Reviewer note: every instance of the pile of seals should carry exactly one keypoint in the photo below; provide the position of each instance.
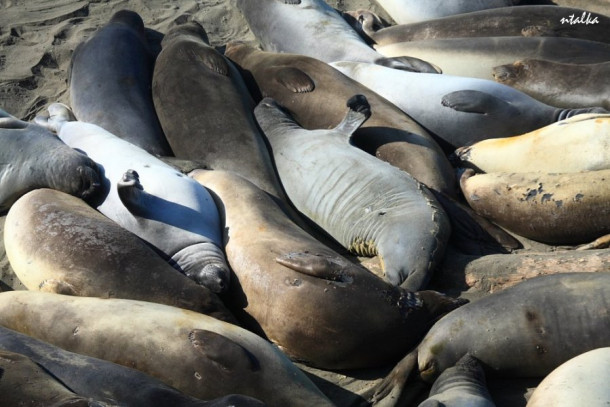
(197, 221)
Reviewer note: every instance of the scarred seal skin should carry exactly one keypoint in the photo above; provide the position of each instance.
(579, 143)
(199, 355)
(524, 331)
(105, 381)
(317, 306)
(566, 209)
(365, 204)
(110, 78)
(58, 243)
(32, 157)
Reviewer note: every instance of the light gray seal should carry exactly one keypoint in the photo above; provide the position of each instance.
(367, 205)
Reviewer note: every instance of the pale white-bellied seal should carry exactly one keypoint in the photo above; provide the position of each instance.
(149, 198)
(579, 143)
(304, 296)
(107, 381)
(476, 57)
(24, 383)
(524, 331)
(206, 109)
(581, 381)
(367, 205)
(110, 78)
(315, 94)
(459, 110)
(567, 208)
(313, 28)
(559, 84)
(57, 243)
(528, 21)
(461, 385)
(197, 354)
(32, 157)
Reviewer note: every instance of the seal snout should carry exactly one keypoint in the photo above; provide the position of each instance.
(506, 73)
(213, 276)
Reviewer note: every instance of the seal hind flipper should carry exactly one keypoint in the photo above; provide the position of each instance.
(231, 356)
(295, 80)
(474, 101)
(359, 111)
(130, 192)
(410, 64)
(316, 265)
(59, 113)
(394, 383)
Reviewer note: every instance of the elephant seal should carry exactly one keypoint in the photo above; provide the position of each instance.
(559, 84)
(365, 204)
(523, 331)
(149, 198)
(57, 243)
(23, 382)
(459, 111)
(314, 29)
(461, 385)
(206, 109)
(579, 143)
(528, 21)
(582, 380)
(476, 57)
(316, 292)
(32, 157)
(110, 77)
(567, 209)
(106, 381)
(315, 94)
(197, 354)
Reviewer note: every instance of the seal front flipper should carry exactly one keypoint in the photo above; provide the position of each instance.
(131, 193)
(228, 354)
(317, 265)
(359, 111)
(295, 80)
(474, 101)
(410, 64)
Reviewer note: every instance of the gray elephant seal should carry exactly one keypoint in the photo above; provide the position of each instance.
(545, 321)
(116, 62)
(32, 157)
(89, 255)
(559, 84)
(368, 206)
(197, 354)
(106, 381)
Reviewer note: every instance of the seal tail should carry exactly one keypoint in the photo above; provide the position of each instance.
(359, 111)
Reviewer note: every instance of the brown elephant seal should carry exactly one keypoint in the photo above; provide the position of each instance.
(197, 354)
(206, 109)
(535, 20)
(57, 243)
(568, 208)
(315, 94)
(32, 157)
(582, 380)
(579, 143)
(559, 84)
(106, 381)
(316, 292)
(24, 383)
(117, 63)
(524, 331)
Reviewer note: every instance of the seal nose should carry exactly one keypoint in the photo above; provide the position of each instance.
(215, 277)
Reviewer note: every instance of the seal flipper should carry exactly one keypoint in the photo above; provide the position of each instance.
(295, 80)
(409, 64)
(228, 354)
(317, 265)
(393, 385)
(474, 101)
(359, 111)
(296, 2)
(132, 193)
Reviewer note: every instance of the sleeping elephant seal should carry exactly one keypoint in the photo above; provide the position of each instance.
(110, 77)
(559, 84)
(579, 143)
(365, 204)
(315, 305)
(106, 381)
(24, 383)
(197, 354)
(458, 110)
(564, 209)
(582, 380)
(315, 94)
(206, 109)
(144, 195)
(524, 331)
(32, 157)
(57, 243)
